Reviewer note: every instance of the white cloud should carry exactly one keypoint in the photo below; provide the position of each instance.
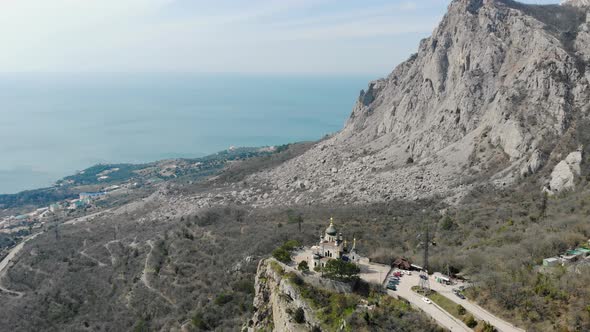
(137, 35)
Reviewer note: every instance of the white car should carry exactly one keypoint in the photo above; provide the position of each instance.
(427, 300)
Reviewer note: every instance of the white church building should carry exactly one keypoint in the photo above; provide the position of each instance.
(332, 246)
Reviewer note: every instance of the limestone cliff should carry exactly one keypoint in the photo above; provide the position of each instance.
(496, 93)
(276, 301)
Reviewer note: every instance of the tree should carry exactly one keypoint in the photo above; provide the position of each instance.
(199, 322)
(461, 310)
(448, 224)
(295, 219)
(291, 245)
(339, 269)
(543, 207)
(223, 299)
(470, 321)
(303, 266)
(282, 255)
(487, 327)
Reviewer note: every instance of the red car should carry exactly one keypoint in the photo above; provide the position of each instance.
(397, 274)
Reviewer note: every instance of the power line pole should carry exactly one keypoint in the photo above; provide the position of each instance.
(426, 245)
(424, 279)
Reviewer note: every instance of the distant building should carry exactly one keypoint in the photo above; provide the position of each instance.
(441, 278)
(571, 256)
(402, 263)
(584, 251)
(75, 204)
(54, 207)
(111, 188)
(552, 261)
(84, 196)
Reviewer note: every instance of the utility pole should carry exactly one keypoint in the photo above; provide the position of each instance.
(426, 245)
(424, 279)
(56, 228)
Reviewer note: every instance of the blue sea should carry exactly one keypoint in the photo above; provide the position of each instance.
(53, 125)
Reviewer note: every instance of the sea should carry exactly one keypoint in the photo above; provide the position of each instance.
(53, 125)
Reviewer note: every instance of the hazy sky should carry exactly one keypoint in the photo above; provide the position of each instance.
(248, 36)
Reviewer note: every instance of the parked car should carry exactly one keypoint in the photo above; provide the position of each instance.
(391, 287)
(427, 300)
(459, 295)
(397, 274)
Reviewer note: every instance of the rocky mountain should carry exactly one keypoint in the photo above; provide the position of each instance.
(577, 3)
(498, 92)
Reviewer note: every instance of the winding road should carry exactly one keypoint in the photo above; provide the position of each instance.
(477, 311)
(6, 261)
(443, 318)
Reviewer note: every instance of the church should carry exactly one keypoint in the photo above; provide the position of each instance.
(331, 246)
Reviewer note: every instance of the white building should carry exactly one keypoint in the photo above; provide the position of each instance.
(331, 246)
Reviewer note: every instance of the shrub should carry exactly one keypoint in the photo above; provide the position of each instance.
(487, 327)
(244, 286)
(282, 255)
(299, 316)
(291, 244)
(303, 266)
(277, 268)
(339, 269)
(223, 299)
(461, 310)
(470, 321)
(294, 278)
(448, 224)
(199, 322)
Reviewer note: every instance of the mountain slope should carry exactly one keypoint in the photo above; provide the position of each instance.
(495, 93)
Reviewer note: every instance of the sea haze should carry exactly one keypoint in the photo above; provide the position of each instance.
(54, 125)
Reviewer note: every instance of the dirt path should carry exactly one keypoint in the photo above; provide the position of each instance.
(145, 279)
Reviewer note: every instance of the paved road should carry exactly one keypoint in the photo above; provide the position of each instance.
(6, 261)
(14, 251)
(443, 318)
(477, 311)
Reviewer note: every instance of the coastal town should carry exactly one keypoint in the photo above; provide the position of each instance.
(16, 228)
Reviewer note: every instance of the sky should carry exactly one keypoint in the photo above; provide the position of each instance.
(204, 36)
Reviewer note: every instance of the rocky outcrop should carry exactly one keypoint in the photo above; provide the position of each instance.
(276, 300)
(577, 3)
(565, 173)
(534, 163)
(485, 99)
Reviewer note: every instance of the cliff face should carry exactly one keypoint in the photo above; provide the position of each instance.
(577, 3)
(276, 300)
(497, 90)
